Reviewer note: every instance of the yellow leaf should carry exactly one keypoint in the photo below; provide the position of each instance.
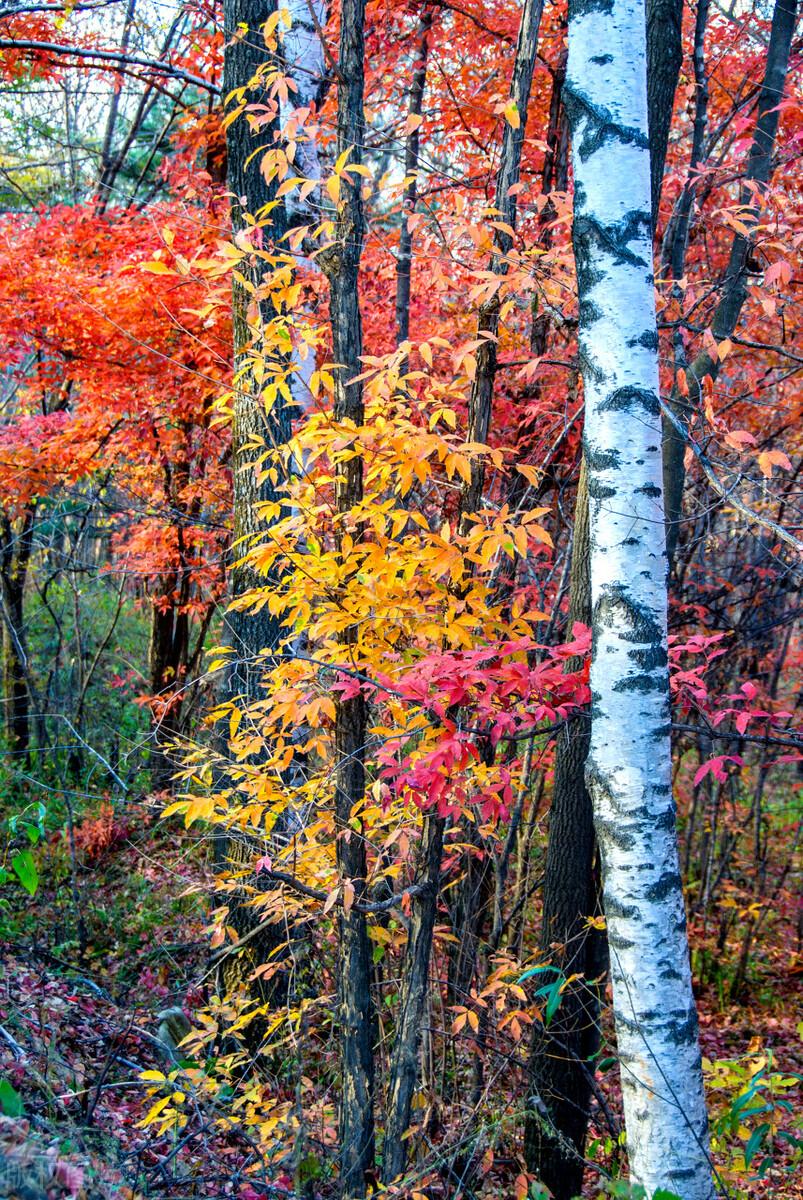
(199, 809)
(540, 534)
(154, 1111)
(333, 188)
(512, 114)
(531, 474)
(157, 268)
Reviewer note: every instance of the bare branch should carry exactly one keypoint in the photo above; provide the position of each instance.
(111, 56)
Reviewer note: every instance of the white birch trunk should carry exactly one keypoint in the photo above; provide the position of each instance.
(629, 765)
(302, 50)
(304, 63)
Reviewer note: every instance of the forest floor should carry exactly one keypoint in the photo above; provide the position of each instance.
(77, 1029)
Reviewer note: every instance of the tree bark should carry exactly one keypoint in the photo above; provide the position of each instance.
(629, 764)
(664, 58)
(734, 284)
(341, 264)
(678, 229)
(560, 1073)
(482, 388)
(414, 990)
(476, 886)
(404, 260)
(303, 61)
(404, 1065)
(15, 554)
(251, 635)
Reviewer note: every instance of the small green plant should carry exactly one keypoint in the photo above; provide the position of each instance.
(10, 1100)
(21, 864)
(755, 1129)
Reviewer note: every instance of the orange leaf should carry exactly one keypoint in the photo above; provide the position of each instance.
(773, 458)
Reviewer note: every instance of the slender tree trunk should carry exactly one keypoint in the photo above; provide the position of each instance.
(482, 388)
(404, 261)
(674, 256)
(734, 285)
(476, 886)
(15, 554)
(560, 1075)
(404, 1064)
(106, 157)
(357, 1015)
(664, 58)
(167, 657)
(629, 764)
(414, 991)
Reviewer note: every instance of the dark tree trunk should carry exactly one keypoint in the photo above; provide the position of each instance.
(357, 1015)
(674, 254)
(664, 58)
(476, 887)
(734, 285)
(405, 258)
(482, 388)
(414, 991)
(251, 635)
(559, 1086)
(15, 555)
(469, 916)
(167, 660)
(554, 177)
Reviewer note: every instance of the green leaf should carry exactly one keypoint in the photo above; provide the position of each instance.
(24, 868)
(528, 974)
(10, 1100)
(553, 1003)
(32, 834)
(753, 1144)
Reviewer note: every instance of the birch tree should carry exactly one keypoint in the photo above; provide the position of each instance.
(629, 764)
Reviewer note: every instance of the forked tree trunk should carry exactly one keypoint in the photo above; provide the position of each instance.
(629, 765)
